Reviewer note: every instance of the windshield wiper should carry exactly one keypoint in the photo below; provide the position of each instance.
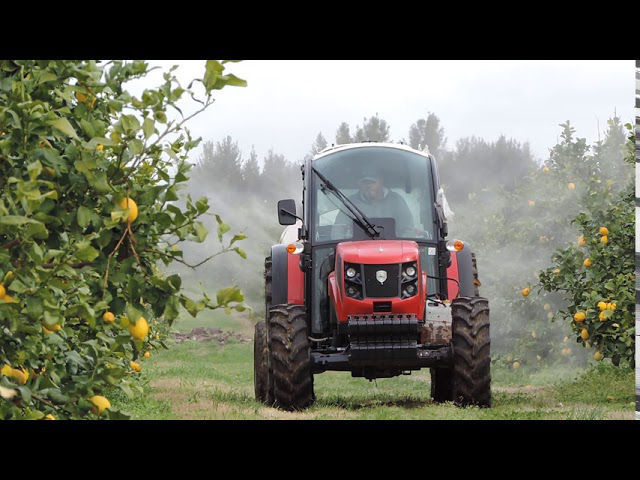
(358, 216)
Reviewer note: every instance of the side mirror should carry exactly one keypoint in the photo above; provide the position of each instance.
(287, 212)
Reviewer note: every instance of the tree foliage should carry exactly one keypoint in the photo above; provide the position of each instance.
(74, 146)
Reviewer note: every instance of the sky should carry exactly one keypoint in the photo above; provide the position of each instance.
(287, 103)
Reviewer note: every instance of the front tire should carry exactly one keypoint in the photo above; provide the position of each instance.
(471, 376)
(290, 356)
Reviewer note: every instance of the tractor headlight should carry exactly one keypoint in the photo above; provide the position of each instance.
(351, 272)
(410, 271)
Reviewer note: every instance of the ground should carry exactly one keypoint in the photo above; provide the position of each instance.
(209, 375)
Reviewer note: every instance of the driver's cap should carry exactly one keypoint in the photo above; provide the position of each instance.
(370, 174)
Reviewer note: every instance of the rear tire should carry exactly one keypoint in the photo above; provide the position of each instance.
(290, 357)
(471, 375)
(262, 379)
(267, 287)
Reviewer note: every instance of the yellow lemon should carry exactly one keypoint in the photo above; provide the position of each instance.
(146, 355)
(597, 356)
(81, 97)
(604, 239)
(516, 365)
(556, 271)
(55, 328)
(602, 305)
(611, 306)
(525, 292)
(6, 370)
(101, 404)
(100, 147)
(49, 417)
(108, 317)
(46, 330)
(135, 366)
(584, 334)
(3, 291)
(581, 241)
(602, 317)
(128, 203)
(587, 262)
(604, 231)
(9, 299)
(140, 329)
(579, 317)
(571, 186)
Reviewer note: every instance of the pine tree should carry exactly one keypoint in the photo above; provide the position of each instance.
(428, 133)
(373, 130)
(343, 136)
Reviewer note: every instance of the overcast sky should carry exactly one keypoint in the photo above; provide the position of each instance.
(286, 103)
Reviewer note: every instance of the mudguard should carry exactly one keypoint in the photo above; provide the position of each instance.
(460, 274)
(287, 280)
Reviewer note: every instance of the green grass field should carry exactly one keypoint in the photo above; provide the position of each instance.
(205, 380)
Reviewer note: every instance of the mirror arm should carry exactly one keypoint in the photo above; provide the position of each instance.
(282, 210)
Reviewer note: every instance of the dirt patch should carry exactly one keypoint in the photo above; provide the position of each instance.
(204, 334)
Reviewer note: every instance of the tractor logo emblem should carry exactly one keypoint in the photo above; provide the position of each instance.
(381, 276)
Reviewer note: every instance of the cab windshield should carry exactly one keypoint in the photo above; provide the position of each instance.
(390, 186)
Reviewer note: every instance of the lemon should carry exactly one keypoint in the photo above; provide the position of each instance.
(556, 271)
(81, 97)
(135, 366)
(140, 329)
(146, 355)
(597, 356)
(128, 203)
(516, 365)
(6, 370)
(584, 334)
(602, 317)
(579, 317)
(108, 317)
(581, 241)
(55, 327)
(9, 299)
(611, 306)
(604, 239)
(587, 262)
(46, 330)
(100, 147)
(49, 417)
(604, 231)
(3, 291)
(20, 375)
(602, 305)
(101, 404)
(571, 186)
(525, 292)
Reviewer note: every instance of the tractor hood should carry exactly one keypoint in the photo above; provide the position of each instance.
(378, 251)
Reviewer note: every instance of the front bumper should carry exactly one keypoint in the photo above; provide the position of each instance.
(386, 342)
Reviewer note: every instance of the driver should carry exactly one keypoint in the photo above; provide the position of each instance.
(377, 201)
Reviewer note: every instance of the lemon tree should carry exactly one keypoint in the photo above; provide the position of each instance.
(596, 276)
(515, 231)
(89, 215)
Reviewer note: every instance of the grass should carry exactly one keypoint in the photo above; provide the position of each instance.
(203, 380)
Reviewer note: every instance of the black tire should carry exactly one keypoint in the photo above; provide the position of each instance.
(441, 388)
(262, 379)
(471, 376)
(290, 356)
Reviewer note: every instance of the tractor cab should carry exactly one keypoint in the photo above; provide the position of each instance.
(370, 281)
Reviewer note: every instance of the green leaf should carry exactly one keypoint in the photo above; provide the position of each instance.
(87, 253)
(222, 229)
(65, 127)
(226, 295)
(136, 147)
(200, 231)
(213, 69)
(148, 127)
(84, 216)
(240, 252)
(236, 237)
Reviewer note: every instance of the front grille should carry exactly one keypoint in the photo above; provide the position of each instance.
(389, 287)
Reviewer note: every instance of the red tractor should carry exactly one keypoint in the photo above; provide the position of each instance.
(366, 282)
